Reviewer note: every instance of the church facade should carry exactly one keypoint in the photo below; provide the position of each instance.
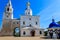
(9, 23)
(28, 24)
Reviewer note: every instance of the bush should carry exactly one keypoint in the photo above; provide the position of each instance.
(45, 33)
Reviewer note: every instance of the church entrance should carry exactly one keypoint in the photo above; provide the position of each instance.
(33, 33)
(16, 32)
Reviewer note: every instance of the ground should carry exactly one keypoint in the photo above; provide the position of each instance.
(24, 38)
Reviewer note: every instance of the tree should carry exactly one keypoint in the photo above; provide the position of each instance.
(58, 22)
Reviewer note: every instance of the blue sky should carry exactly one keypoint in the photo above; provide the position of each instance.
(45, 8)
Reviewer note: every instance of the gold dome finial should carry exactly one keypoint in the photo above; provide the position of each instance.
(28, 3)
(53, 19)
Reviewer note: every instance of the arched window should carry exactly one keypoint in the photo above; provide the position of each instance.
(7, 16)
(28, 12)
(24, 33)
(7, 9)
(36, 23)
(29, 18)
(30, 25)
(9, 4)
(13, 22)
(23, 22)
(17, 23)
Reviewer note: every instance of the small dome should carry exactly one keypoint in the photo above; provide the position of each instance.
(53, 24)
(28, 12)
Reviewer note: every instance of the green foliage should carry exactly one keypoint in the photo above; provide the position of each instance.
(45, 33)
(58, 22)
(17, 34)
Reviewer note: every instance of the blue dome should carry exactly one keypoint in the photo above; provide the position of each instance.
(53, 24)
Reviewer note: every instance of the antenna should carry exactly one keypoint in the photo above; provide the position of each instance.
(52, 19)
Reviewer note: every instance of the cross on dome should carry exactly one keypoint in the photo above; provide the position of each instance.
(28, 3)
(53, 19)
(9, 3)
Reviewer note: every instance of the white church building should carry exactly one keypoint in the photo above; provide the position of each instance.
(28, 24)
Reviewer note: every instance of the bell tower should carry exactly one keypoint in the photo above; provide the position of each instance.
(7, 20)
(8, 14)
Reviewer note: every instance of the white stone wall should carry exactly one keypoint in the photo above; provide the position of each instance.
(42, 30)
(28, 32)
(37, 32)
(33, 21)
(15, 21)
(27, 21)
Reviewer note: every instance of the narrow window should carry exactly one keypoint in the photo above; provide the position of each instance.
(30, 25)
(7, 16)
(13, 22)
(7, 9)
(9, 4)
(23, 23)
(36, 23)
(24, 33)
(28, 12)
(17, 22)
(29, 18)
(40, 32)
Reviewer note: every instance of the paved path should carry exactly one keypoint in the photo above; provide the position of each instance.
(24, 38)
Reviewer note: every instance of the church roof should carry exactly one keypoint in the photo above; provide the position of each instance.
(31, 28)
(53, 24)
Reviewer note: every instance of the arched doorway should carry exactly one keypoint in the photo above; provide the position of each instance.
(32, 33)
(16, 31)
(40, 32)
(24, 33)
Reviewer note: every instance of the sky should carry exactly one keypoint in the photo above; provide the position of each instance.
(45, 8)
